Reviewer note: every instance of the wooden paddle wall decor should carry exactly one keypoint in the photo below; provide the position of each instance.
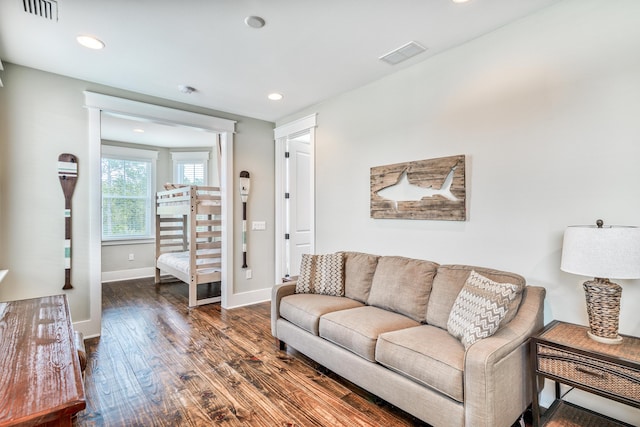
(68, 175)
(424, 189)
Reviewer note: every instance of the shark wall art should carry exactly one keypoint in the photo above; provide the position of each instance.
(424, 189)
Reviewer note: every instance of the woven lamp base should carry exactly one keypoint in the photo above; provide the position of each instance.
(603, 306)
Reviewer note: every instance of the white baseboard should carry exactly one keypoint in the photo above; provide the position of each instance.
(235, 300)
(248, 298)
(88, 328)
(133, 273)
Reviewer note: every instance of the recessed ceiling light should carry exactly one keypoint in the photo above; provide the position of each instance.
(275, 96)
(90, 42)
(459, 1)
(254, 21)
(138, 130)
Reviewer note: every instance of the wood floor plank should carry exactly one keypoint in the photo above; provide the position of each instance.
(161, 363)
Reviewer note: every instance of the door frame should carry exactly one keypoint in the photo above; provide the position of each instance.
(281, 135)
(95, 104)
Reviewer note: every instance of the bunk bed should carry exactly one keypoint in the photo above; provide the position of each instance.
(189, 237)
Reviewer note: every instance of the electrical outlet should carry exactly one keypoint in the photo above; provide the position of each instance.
(131, 257)
(247, 274)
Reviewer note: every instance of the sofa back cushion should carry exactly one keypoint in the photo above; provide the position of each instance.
(358, 275)
(450, 280)
(403, 285)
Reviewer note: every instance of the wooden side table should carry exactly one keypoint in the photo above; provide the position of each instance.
(565, 354)
(40, 379)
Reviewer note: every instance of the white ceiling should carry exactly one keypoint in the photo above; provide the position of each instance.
(309, 50)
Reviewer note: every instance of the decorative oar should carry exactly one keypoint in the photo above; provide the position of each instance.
(245, 183)
(68, 174)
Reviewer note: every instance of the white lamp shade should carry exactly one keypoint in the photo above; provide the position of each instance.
(610, 252)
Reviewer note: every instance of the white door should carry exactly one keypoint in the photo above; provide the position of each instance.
(295, 198)
(298, 203)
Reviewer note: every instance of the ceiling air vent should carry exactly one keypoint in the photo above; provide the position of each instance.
(402, 53)
(43, 8)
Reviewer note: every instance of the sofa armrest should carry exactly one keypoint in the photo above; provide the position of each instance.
(497, 383)
(277, 293)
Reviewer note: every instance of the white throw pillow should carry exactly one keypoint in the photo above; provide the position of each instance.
(479, 308)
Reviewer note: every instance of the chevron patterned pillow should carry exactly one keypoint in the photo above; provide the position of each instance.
(479, 308)
(306, 281)
(321, 274)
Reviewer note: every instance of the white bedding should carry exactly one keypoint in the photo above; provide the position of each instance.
(203, 202)
(180, 260)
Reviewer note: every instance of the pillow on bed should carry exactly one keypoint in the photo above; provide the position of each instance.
(170, 186)
(321, 274)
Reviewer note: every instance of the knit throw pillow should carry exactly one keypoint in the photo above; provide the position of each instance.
(321, 274)
(479, 308)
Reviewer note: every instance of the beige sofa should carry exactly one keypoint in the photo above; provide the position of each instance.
(389, 334)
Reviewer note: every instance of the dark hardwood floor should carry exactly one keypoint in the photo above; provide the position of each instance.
(159, 363)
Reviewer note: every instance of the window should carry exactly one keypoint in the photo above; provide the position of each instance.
(128, 177)
(190, 168)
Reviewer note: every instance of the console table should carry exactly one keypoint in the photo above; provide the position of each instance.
(40, 378)
(564, 353)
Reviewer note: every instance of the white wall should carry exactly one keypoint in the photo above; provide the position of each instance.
(39, 120)
(547, 111)
(259, 161)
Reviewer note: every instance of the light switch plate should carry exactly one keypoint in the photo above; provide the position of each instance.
(259, 225)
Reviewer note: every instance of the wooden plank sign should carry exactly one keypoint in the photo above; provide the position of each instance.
(424, 189)
(68, 175)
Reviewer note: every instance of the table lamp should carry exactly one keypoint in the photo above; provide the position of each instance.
(602, 252)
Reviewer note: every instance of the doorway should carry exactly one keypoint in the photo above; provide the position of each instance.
(96, 104)
(295, 195)
(150, 155)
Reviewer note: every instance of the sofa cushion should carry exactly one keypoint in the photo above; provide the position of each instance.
(357, 329)
(479, 308)
(448, 283)
(403, 285)
(427, 355)
(304, 310)
(321, 274)
(358, 274)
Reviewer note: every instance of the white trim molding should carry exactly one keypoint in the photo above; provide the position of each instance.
(304, 123)
(130, 274)
(157, 113)
(142, 155)
(249, 298)
(281, 135)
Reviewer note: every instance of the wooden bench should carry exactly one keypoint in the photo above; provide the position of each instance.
(40, 369)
